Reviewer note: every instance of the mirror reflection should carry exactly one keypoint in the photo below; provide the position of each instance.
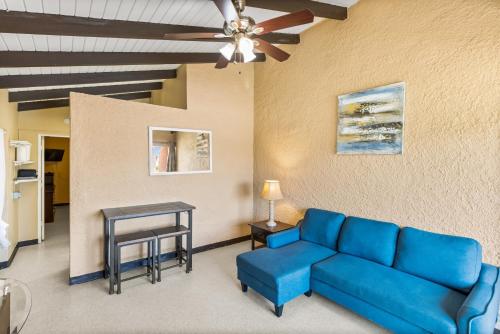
(179, 151)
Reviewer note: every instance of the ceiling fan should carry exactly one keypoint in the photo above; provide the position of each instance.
(245, 33)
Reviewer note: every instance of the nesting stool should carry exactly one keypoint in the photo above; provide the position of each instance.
(134, 239)
(170, 232)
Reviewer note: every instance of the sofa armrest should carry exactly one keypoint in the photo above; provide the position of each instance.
(478, 314)
(283, 238)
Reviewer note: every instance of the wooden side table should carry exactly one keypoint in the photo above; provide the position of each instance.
(259, 231)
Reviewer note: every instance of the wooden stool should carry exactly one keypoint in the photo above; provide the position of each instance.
(171, 232)
(134, 239)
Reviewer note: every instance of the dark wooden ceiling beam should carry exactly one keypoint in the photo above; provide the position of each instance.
(26, 106)
(50, 24)
(45, 94)
(43, 80)
(43, 59)
(318, 8)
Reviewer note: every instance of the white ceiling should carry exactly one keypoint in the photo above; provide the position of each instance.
(185, 12)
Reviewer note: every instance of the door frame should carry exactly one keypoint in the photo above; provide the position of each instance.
(41, 182)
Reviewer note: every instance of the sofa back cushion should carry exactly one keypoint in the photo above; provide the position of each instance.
(369, 239)
(322, 227)
(448, 260)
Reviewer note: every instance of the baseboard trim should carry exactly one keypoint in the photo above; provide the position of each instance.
(163, 258)
(27, 243)
(220, 244)
(6, 264)
(125, 267)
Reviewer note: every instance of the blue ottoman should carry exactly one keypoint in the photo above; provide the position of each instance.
(282, 271)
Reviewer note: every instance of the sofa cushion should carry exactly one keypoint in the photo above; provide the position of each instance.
(285, 265)
(370, 239)
(428, 305)
(452, 261)
(322, 227)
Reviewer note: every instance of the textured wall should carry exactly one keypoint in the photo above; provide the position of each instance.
(109, 162)
(31, 124)
(174, 92)
(447, 180)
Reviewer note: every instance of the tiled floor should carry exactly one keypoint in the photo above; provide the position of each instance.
(208, 300)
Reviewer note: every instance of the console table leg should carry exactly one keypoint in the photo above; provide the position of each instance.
(158, 259)
(118, 271)
(106, 249)
(111, 257)
(189, 266)
(178, 240)
(153, 251)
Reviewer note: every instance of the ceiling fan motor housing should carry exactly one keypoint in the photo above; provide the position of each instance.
(245, 26)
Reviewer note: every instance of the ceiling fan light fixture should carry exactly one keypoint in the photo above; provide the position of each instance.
(245, 45)
(258, 30)
(248, 56)
(228, 50)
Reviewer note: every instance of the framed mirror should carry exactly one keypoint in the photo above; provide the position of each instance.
(179, 151)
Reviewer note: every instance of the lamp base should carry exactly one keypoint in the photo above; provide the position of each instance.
(271, 223)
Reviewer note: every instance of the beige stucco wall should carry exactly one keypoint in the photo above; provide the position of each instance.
(31, 125)
(174, 91)
(448, 178)
(109, 162)
(8, 122)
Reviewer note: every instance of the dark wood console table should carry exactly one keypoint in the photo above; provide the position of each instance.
(112, 215)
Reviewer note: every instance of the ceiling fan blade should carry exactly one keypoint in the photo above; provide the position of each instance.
(222, 62)
(228, 10)
(271, 50)
(286, 21)
(192, 36)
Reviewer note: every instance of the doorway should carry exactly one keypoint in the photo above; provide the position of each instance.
(53, 204)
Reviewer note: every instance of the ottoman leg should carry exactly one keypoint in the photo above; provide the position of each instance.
(309, 293)
(278, 310)
(244, 287)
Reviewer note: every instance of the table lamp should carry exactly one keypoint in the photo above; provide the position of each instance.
(272, 192)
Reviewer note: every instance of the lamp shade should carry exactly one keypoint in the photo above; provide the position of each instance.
(271, 190)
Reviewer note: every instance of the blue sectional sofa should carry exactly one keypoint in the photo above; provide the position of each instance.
(404, 279)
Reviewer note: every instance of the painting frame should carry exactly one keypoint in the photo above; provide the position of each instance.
(371, 121)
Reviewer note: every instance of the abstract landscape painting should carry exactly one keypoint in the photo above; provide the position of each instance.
(371, 121)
